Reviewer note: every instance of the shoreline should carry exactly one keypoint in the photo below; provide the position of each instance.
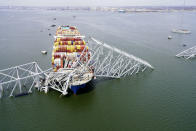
(129, 9)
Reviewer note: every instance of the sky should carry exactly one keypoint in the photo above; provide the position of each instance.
(97, 2)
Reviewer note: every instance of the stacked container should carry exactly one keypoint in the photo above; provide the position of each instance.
(68, 48)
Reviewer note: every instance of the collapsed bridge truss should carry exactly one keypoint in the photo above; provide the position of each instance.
(106, 61)
(109, 61)
(188, 54)
(20, 79)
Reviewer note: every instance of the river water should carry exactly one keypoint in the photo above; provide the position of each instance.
(162, 99)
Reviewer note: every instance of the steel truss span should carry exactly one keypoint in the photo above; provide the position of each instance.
(20, 79)
(105, 61)
(188, 54)
(109, 61)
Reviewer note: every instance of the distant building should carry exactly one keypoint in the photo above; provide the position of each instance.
(121, 11)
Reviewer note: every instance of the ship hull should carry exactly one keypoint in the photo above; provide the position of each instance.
(75, 88)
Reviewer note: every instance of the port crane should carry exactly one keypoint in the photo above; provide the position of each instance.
(106, 60)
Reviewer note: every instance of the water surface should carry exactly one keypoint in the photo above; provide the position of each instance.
(164, 99)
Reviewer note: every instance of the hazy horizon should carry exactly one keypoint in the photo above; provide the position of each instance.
(97, 3)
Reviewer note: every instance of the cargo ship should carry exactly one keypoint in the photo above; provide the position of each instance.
(69, 56)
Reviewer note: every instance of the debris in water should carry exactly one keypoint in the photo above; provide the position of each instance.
(52, 25)
(22, 94)
(181, 31)
(54, 18)
(49, 34)
(184, 45)
(44, 52)
(169, 37)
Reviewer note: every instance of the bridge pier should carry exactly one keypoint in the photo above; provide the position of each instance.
(1, 91)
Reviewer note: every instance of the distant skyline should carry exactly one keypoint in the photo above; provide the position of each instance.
(97, 2)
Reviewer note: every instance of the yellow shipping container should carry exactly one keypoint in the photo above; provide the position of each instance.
(69, 42)
(68, 47)
(78, 47)
(55, 69)
(84, 42)
(57, 47)
(58, 39)
(72, 48)
(52, 59)
(56, 43)
(54, 50)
